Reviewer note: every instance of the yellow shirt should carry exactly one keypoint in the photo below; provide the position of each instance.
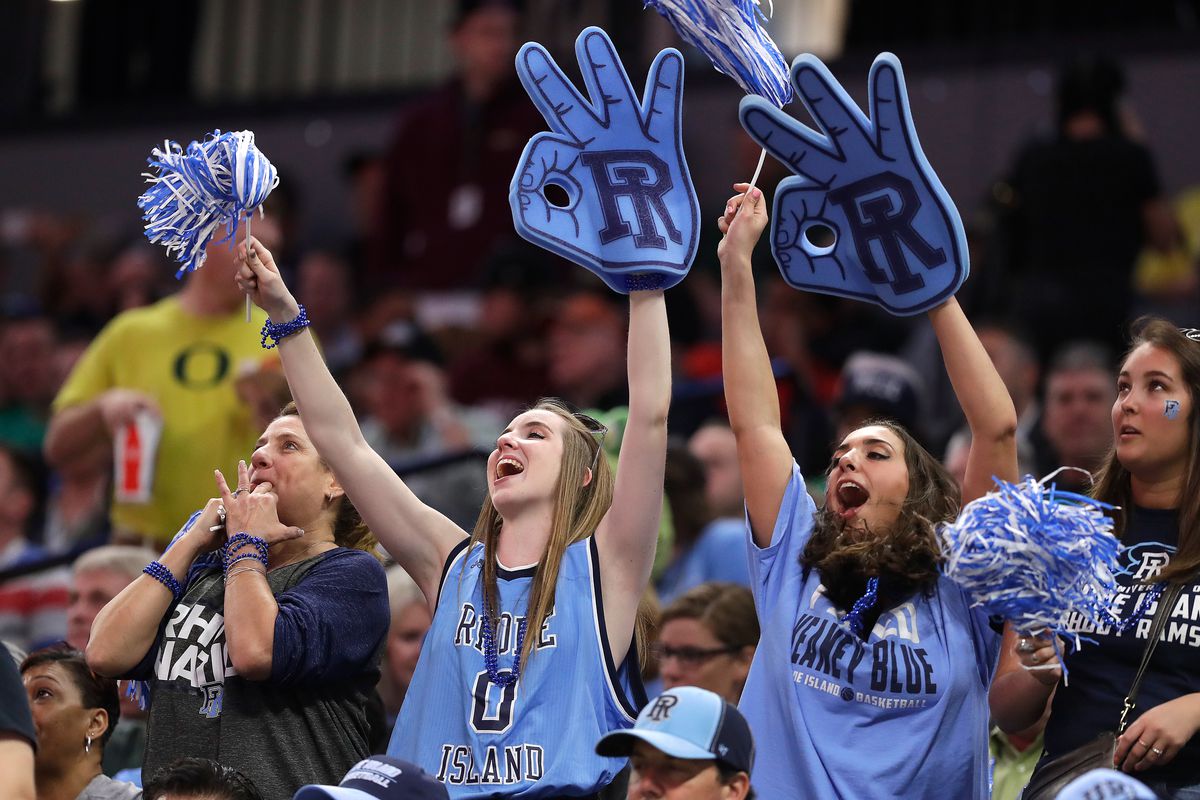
(188, 365)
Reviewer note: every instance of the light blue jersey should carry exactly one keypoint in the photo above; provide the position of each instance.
(835, 718)
(535, 738)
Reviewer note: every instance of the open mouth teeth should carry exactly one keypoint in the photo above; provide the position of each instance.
(851, 495)
(508, 466)
(1129, 429)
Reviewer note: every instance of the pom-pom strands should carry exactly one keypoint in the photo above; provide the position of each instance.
(1033, 555)
(195, 190)
(727, 31)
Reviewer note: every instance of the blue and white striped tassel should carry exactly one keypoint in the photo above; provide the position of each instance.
(194, 191)
(728, 32)
(1034, 555)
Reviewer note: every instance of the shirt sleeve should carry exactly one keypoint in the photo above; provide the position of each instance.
(771, 566)
(93, 373)
(14, 705)
(330, 624)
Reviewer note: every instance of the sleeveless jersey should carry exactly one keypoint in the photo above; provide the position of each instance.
(536, 737)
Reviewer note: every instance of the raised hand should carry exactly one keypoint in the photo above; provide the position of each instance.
(252, 510)
(631, 215)
(865, 216)
(258, 276)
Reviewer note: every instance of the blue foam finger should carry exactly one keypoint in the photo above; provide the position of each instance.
(631, 214)
(897, 238)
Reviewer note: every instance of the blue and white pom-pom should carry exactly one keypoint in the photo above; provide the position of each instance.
(1034, 555)
(211, 183)
(728, 32)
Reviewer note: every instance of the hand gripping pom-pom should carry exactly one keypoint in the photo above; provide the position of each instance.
(198, 189)
(1034, 555)
(728, 32)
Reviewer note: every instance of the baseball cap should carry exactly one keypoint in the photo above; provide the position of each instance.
(379, 778)
(690, 723)
(885, 385)
(1105, 784)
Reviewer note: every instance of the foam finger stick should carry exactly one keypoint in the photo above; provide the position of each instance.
(864, 216)
(196, 190)
(728, 32)
(1036, 556)
(631, 215)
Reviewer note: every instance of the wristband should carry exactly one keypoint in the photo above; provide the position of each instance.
(164, 576)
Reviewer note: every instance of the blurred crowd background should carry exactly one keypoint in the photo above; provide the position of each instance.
(1065, 132)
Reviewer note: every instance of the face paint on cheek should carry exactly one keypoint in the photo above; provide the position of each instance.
(1171, 409)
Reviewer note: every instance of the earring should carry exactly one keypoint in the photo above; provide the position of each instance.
(87, 744)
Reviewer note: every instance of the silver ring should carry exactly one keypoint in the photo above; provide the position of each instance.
(1025, 646)
(238, 491)
(1143, 744)
(1156, 751)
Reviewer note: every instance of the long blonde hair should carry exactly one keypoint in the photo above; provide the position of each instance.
(578, 510)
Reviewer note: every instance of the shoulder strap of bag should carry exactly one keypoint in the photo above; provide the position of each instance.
(1165, 605)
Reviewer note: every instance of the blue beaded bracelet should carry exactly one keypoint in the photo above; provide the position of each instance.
(245, 557)
(278, 332)
(164, 576)
(239, 540)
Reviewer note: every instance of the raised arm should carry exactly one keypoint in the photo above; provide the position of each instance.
(417, 536)
(628, 533)
(984, 399)
(750, 392)
(125, 629)
(1018, 696)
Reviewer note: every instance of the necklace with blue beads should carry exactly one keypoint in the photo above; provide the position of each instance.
(853, 620)
(491, 655)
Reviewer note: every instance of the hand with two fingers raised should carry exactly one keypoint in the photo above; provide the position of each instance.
(253, 510)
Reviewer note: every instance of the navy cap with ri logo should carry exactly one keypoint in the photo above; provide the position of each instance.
(379, 778)
(690, 723)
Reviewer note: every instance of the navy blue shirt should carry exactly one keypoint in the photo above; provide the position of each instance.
(1102, 670)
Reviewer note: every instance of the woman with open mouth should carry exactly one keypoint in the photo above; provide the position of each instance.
(871, 675)
(532, 654)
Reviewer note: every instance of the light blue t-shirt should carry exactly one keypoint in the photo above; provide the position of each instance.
(535, 738)
(719, 554)
(901, 715)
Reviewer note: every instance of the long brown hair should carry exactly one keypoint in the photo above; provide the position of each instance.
(349, 530)
(578, 511)
(906, 557)
(1113, 483)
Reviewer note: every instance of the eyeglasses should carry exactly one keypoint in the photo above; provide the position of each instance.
(597, 429)
(690, 657)
(1191, 333)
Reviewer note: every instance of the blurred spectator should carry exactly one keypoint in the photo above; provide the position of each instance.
(1168, 283)
(27, 380)
(379, 778)
(587, 352)
(74, 712)
(1014, 358)
(199, 779)
(1078, 208)
(75, 290)
(445, 203)
(714, 445)
(364, 173)
(17, 738)
(410, 621)
(138, 276)
(506, 367)
(877, 385)
(409, 418)
(99, 575)
(707, 638)
(33, 608)
(264, 390)
(176, 360)
(1077, 420)
(703, 548)
(323, 286)
(1014, 755)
